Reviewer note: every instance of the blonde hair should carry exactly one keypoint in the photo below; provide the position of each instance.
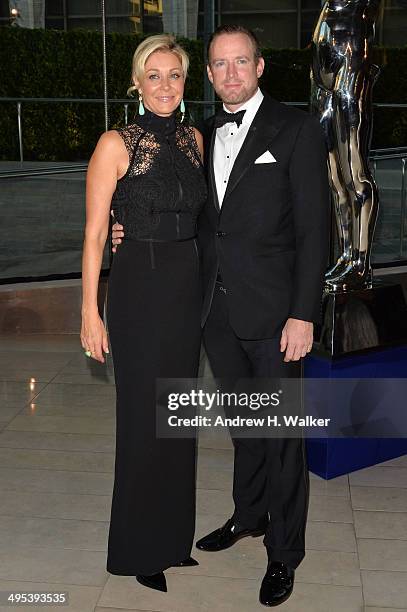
(158, 42)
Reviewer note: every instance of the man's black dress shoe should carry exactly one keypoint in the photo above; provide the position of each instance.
(155, 581)
(277, 584)
(190, 562)
(228, 535)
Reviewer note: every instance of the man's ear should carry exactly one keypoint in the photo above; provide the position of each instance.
(260, 67)
(209, 71)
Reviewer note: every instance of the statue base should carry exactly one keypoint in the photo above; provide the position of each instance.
(363, 335)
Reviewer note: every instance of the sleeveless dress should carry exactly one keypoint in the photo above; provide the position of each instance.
(153, 314)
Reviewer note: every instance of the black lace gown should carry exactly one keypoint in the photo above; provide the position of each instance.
(153, 313)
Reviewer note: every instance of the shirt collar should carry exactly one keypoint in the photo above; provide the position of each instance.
(251, 107)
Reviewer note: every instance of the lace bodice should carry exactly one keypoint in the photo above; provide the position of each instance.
(164, 188)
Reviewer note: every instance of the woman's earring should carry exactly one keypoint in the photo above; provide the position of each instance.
(182, 109)
(141, 110)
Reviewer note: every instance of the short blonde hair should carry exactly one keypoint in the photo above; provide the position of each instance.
(158, 42)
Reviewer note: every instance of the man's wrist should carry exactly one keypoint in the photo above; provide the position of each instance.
(297, 318)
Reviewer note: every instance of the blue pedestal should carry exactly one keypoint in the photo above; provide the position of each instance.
(331, 457)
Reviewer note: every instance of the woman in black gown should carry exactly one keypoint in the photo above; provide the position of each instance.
(151, 172)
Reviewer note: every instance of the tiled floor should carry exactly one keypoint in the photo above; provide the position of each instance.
(56, 461)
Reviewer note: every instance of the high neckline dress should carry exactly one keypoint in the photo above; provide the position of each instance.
(153, 313)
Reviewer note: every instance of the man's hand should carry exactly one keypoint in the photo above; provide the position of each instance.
(296, 339)
(117, 234)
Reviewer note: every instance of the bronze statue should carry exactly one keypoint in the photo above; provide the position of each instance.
(343, 76)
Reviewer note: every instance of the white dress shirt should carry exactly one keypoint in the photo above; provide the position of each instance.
(228, 142)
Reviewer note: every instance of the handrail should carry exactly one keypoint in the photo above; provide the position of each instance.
(390, 156)
(390, 104)
(43, 171)
(82, 167)
(388, 149)
(87, 100)
(135, 100)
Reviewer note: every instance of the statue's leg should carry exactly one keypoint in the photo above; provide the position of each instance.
(353, 136)
(337, 138)
(323, 106)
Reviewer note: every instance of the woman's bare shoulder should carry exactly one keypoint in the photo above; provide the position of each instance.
(111, 139)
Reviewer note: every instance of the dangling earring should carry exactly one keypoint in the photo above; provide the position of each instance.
(141, 110)
(182, 109)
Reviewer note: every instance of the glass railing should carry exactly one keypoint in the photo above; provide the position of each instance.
(42, 207)
(31, 127)
(43, 217)
(390, 240)
(42, 223)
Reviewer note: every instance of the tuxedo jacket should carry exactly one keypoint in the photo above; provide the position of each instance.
(269, 240)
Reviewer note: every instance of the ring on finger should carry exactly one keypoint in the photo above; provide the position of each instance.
(88, 353)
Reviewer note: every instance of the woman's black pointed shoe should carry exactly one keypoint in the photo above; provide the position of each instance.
(190, 562)
(155, 581)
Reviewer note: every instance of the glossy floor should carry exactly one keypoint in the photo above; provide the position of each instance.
(56, 462)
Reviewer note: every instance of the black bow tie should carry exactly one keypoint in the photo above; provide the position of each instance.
(223, 117)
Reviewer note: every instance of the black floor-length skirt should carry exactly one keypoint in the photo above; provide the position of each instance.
(153, 313)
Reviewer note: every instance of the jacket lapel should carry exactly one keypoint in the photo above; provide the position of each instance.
(266, 124)
(211, 171)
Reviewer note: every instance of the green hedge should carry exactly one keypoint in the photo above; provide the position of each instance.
(51, 63)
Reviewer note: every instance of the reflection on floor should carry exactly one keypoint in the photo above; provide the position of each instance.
(56, 462)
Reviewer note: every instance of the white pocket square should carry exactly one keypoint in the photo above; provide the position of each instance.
(265, 158)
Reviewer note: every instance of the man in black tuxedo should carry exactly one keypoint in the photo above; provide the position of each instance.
(263, 236)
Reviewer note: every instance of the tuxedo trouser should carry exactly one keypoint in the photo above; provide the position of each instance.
(270, 474)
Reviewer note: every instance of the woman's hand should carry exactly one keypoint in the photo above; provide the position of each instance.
(94, 336)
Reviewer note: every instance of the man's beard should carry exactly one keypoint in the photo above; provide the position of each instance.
(239, 98)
